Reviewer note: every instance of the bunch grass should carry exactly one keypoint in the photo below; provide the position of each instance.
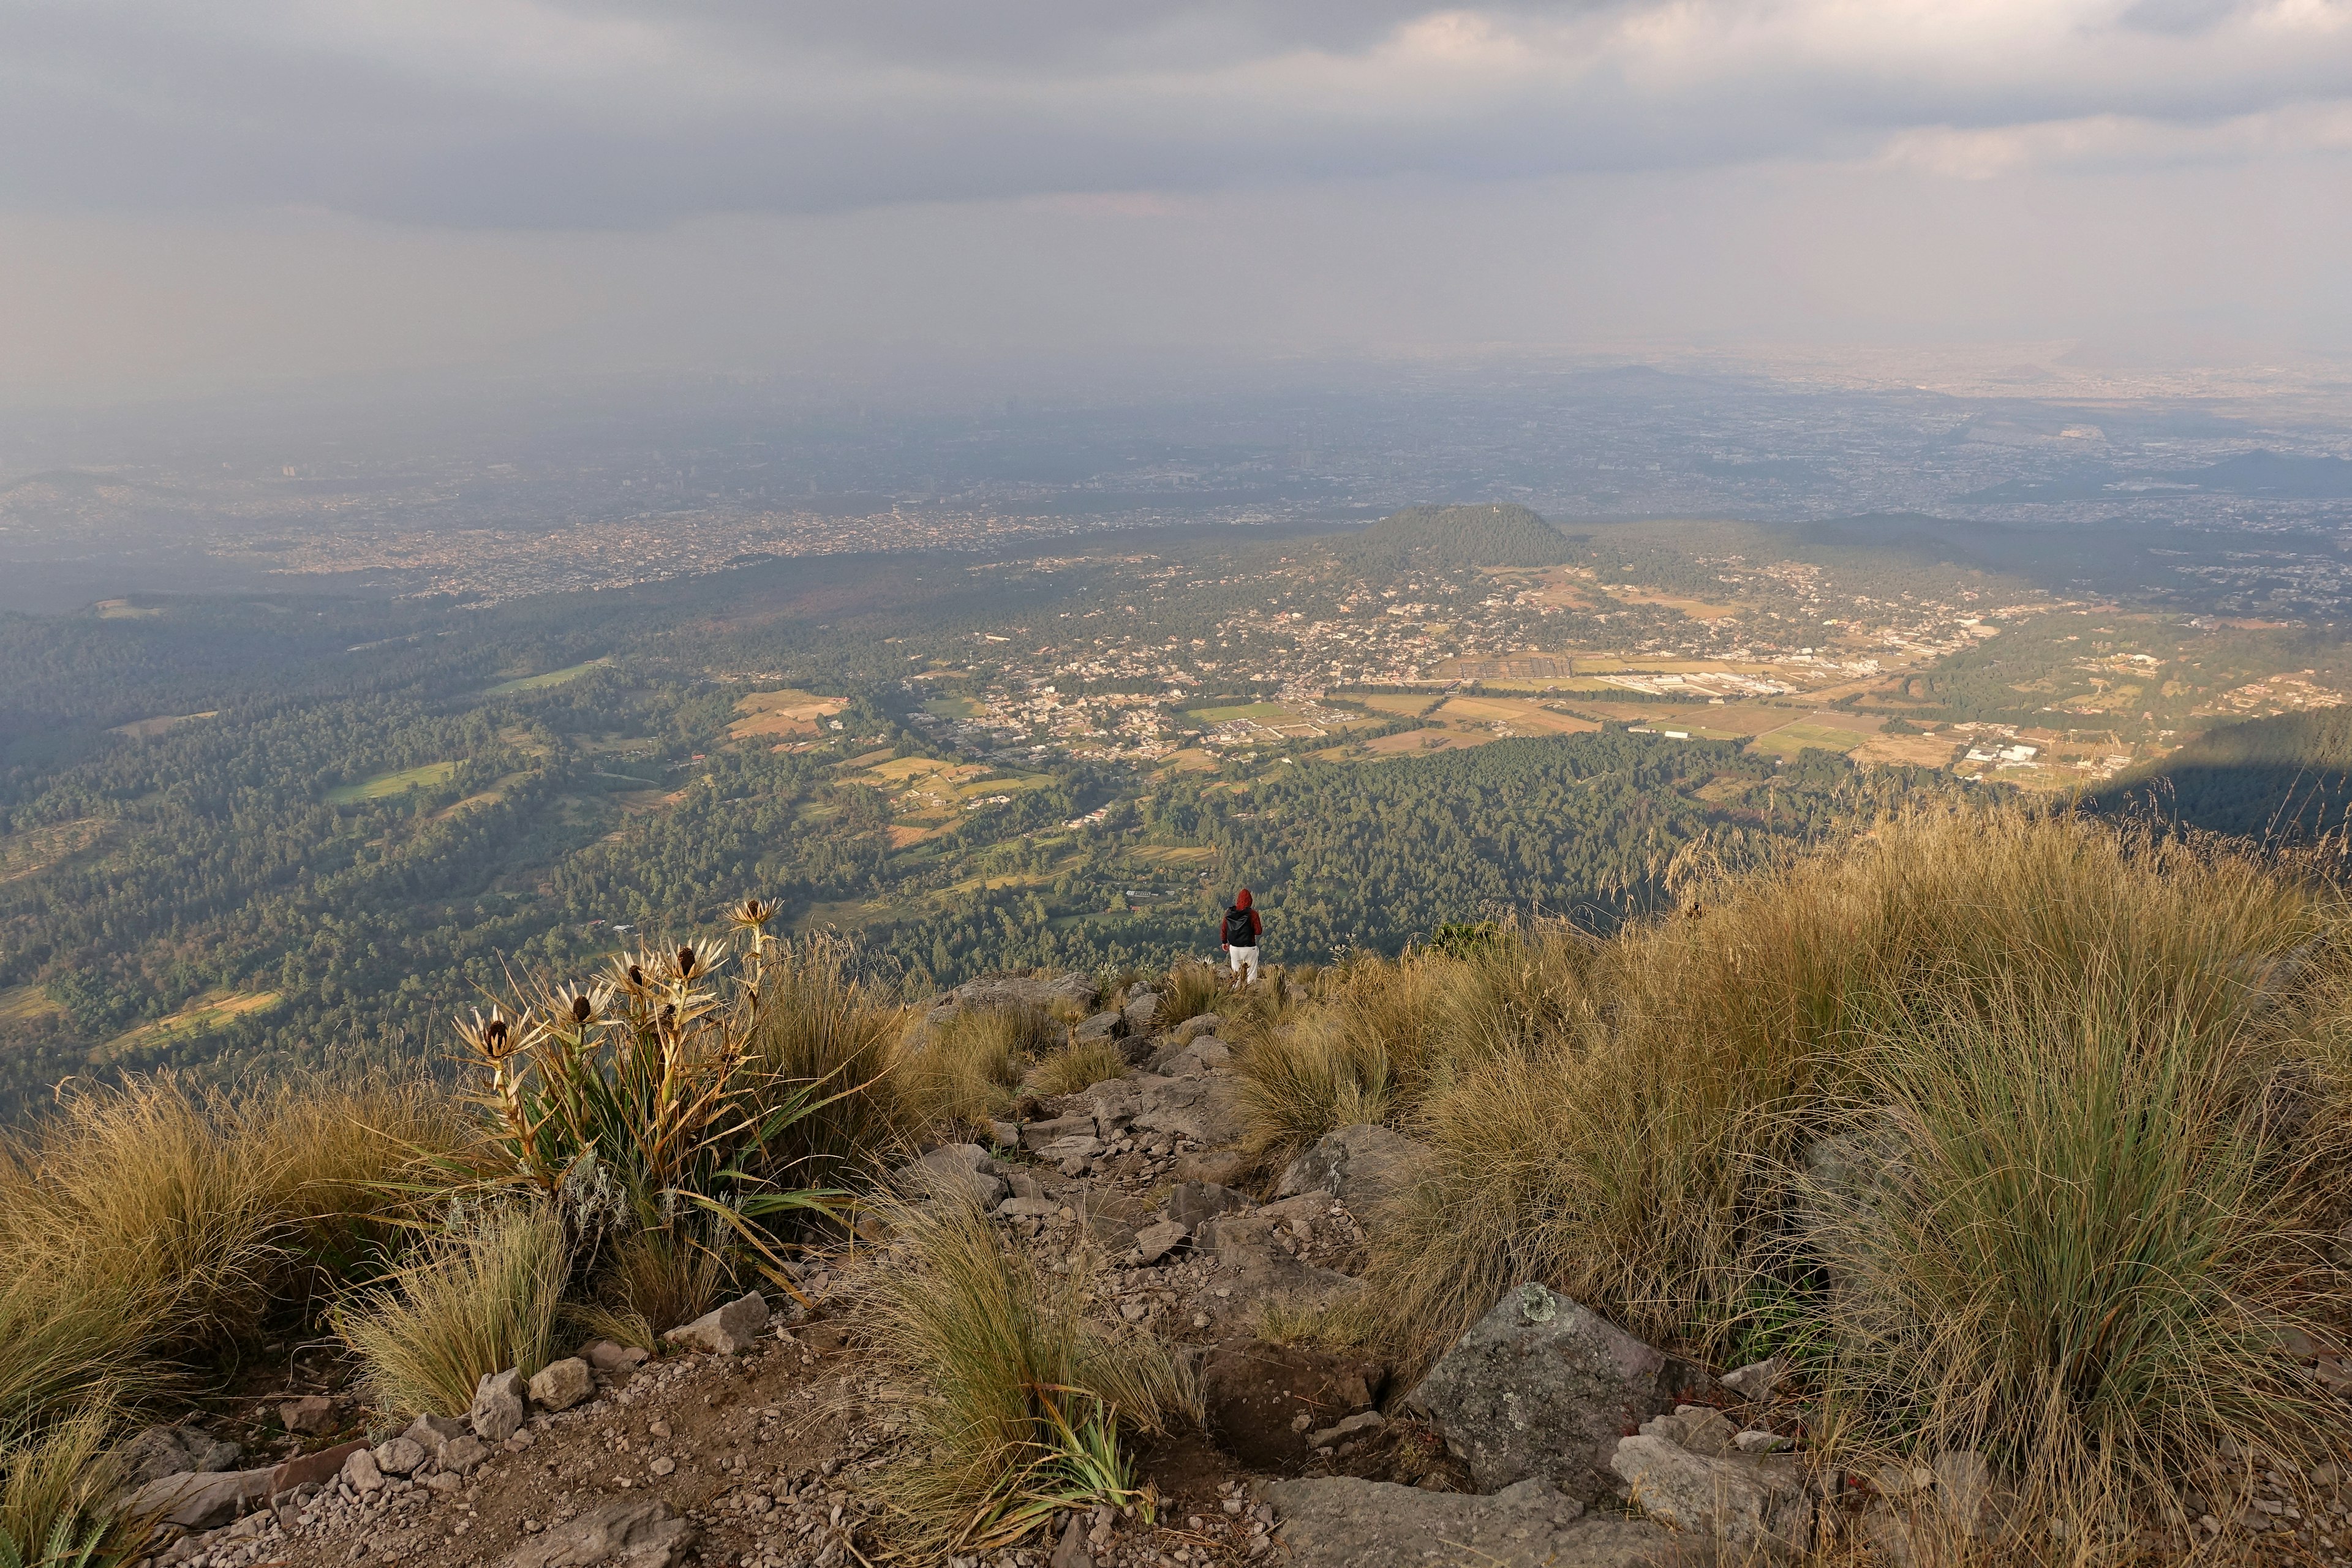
(483, 1297)
(1020, 1401)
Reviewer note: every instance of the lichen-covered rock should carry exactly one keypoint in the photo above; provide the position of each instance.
(1542, 1387)
(730, 1330)
(1340, 1522)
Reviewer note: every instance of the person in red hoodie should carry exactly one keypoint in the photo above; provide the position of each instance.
(1240, 936)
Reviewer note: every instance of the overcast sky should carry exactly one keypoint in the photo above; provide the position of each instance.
(203, 195)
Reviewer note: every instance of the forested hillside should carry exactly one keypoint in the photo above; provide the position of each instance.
(2281, 779)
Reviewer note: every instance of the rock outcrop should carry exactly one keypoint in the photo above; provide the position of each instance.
(1338, 1522)
(1541, 1387)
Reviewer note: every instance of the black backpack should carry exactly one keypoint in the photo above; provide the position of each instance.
(1237, 929)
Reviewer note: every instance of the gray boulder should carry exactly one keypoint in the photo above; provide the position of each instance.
(436, 1431)
(400, 1457)
(1142, 1007)
(1154, 1242)
(1100, 1027)
(1758, 1379)
(730, 1330)
(1193, 1202)
(1542, 1387)
(1036, 1135)
(1201, 1108)
(641, 1533)
(360, 1472)
(1341, 1522)
(561, 1385)
(203, 1499)
(498, 1410)
(160, 1451)
(1365, 1166)
(961, 1170)
(1750, 1504)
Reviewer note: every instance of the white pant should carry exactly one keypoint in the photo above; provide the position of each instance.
(1240, 958)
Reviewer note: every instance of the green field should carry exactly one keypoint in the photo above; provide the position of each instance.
(386, 784)
(540, 682)
(1791, 738)
(1263, 712)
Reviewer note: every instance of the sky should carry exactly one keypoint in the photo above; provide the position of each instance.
(257, 192)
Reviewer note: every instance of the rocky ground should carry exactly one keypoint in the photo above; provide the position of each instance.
(1546, 1437)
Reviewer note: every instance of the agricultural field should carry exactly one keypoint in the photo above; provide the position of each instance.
(142, 728)
(383, 787)
(209, 1011)
(542, 682)
(789, 715)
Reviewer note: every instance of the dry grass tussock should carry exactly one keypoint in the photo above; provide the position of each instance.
(967, 1070)
(482, 1297)
(1019, 1403)
(2026, 1134)
(1076, 1067)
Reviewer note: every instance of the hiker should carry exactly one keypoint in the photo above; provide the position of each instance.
(1240, 936)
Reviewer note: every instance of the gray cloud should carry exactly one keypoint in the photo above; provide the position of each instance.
(577, 113)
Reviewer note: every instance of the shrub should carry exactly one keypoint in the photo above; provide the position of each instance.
(1021, 1399)
(483, 1297)
(1077, 1066)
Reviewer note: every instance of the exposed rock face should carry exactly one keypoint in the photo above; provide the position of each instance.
(199, 1500)
(1193, 1202)
(160, 1451)
(1365, 1166)
(1263, 1400)
(730, 1330)
(1201, 1109)
(498, 1410)
(561, 1385)
(1747, 1503)
(963, 1170)
(1027, 991)
(1543, 1387)
(1337, 1523)
(310, 1470)
(639, 1533)
(1142, 1007)
(1154, 1242)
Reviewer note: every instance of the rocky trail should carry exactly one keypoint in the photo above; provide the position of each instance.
(1546, 1437)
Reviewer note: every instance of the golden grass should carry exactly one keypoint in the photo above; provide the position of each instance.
(1017, 1396)
(483, 1297)
(823, 1025)
(1077, 1065)
(964, 1072)
(2103, 1078)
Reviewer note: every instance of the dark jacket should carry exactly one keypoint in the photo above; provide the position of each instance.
(1242, 928)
